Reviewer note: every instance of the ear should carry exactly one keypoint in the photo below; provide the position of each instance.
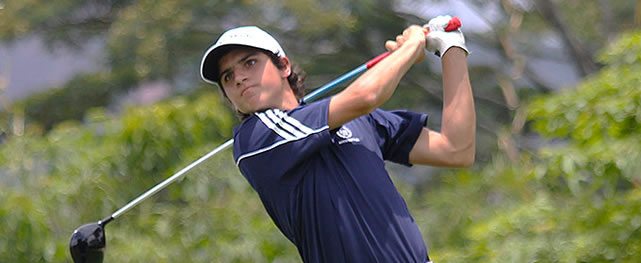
(287, 70)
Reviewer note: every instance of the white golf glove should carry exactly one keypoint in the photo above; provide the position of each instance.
(439, 41)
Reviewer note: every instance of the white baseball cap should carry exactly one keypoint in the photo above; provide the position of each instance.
(250, 36)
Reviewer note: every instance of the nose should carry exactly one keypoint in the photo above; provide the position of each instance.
(240, 77)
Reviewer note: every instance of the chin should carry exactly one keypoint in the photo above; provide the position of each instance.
(259, 106)
(253, 109)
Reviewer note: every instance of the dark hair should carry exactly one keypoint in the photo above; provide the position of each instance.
(296, 79)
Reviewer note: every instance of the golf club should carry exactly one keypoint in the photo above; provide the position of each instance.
(88, 241)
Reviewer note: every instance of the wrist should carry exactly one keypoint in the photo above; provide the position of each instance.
(414, 49)
(455, 51)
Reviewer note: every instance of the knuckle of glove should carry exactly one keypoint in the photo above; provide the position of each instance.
(438, 23)
(439, 41)
(434, 41)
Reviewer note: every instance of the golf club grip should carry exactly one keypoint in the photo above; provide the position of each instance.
(454, 24)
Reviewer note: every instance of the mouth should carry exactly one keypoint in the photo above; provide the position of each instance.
(244, 91)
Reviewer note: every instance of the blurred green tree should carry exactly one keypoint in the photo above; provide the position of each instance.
(575, 200)
(81, 173)
(148, 41)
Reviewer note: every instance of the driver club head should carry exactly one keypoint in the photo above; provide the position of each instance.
(88, 243)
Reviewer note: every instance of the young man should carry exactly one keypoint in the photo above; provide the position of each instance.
(319, 168)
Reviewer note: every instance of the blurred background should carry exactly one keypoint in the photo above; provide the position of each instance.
(101, 100)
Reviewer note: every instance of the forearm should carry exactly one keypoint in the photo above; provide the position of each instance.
(374, 87)
(378, 84)
(459, 117)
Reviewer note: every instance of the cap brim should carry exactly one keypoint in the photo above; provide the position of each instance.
(209, 66)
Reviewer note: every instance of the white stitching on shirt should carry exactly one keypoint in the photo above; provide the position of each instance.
(293, 121)
(276, 145)
(284, 124)
(271, 125)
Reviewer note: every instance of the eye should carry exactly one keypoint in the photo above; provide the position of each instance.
(227, 77)
(250, 62)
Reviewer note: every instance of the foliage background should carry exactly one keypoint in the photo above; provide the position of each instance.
(556, 180)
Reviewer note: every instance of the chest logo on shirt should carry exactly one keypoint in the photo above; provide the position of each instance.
(346, 135)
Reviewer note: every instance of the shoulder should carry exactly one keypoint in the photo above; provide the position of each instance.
(273, 127)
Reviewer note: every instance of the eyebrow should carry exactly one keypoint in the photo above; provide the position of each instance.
(253, 53)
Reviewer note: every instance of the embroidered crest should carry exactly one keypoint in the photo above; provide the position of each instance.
(344, 133)
(346, 136)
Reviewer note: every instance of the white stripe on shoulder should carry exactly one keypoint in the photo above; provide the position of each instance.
(278, 120)
(293, 121)
(262, 150)
(268, 122)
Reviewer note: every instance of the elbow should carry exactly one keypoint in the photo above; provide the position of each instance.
(466, 157)
(467, 160)
(365, 102)
(371, 101)
(465, 152)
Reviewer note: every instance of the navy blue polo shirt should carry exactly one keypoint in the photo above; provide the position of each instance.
(328, 191)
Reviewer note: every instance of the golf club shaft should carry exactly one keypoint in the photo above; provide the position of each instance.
(169, 180)
(453, 25)
(311, 97)
(345, 77)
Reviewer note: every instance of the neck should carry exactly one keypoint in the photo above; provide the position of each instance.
(286, 102)
(288, 99)
(289, 103)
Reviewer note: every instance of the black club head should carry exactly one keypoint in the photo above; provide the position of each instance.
(88, 243)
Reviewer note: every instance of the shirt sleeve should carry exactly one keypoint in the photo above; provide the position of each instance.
(397, 133)
(271, 142)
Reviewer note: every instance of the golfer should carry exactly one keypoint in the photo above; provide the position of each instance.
(319, 168)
